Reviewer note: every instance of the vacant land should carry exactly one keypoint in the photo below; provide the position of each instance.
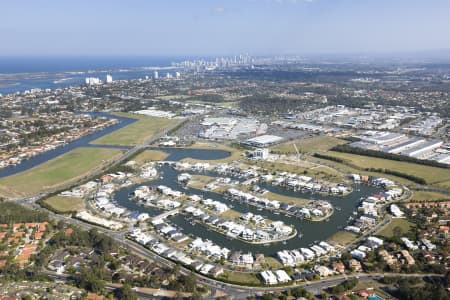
(429, 196)
(312, 145)
(430, 174)
(241, 277)
(137, 132)
(230, 214)
(286, 199)
(342, 237)
(273, 263)
(150, 155)
(65, 204)
(199, 181)
(388, 230)
(62, 169)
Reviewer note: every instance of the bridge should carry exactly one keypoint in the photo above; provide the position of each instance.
(166, 214)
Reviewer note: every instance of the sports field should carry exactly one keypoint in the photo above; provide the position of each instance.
(137, 132)
(62, 169)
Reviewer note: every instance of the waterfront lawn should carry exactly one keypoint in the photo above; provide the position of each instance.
(150, 155)
(199, 181)
(342, 237)
(65, 204)
(286, 199)
(230, 214)
(311, 145)
(430, 174)
(429, 196)
(73, 164)
(388, 230)
(135, 133)
(241, 277)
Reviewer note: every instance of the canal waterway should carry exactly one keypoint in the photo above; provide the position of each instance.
(311, 231)
(81, 142)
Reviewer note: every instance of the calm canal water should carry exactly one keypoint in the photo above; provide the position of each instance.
(312, 231)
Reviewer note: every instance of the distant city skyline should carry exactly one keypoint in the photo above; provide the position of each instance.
(222, 27)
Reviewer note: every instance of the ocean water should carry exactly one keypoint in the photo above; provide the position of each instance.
(18, 74)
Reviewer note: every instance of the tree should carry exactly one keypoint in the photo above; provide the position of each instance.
(397, 231)
(125, 293)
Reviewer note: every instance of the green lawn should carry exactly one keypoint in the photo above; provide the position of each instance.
(430, 174)
(199, 181)
(388, 230)
(65, 204)
(286, 199)
(429, 196)
(150, 155)
(241, 277)
(273, 263)
(342, 237)
(311, 145)
(62, 169)
(137, 132)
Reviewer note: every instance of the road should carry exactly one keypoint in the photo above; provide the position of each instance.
(235, 291)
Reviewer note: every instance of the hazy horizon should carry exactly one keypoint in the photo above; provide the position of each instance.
(222, 27)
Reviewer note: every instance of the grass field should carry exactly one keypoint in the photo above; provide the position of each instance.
(230, 214)
(430, 174)
(65, 204)
(199, 181)
(241, 277)
(150, 155)
(286, 199)
(235, 154)
(388, 230)
(62, 169)
(316, 144)
(135, 133)
(273, 263)
(342, 237)
(429, 196)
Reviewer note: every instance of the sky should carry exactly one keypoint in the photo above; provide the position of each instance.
(210, 27)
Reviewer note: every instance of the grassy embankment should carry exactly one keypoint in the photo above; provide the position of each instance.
(61, 170)
(135, 133)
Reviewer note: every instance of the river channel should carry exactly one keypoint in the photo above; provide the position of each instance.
(80, 142)
(311, 231)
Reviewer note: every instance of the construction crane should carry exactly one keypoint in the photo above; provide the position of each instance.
(298, 153)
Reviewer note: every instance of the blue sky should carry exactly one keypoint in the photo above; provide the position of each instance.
(200, 27)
